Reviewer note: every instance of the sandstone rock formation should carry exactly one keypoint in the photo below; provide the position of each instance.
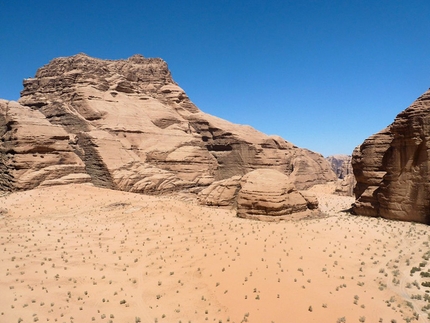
(268, 192)
(125, 124)
(345, 187)
(392, 167)
(259, 194)
(221, 193)
(34, 152)
(342, 167)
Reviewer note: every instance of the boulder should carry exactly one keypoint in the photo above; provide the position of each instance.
(266, 192)
(221, 193)
(260, 194)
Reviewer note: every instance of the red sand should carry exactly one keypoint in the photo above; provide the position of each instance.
(81, 254)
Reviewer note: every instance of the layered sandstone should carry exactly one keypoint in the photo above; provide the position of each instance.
(341, 165)
(260, 194)
(268, 193)
(221, 193)
(125, 124)
(392, 167)
(34, 152)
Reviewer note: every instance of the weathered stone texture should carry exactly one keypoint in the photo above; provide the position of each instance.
(342, 167)
(392, 167)
(260, 194)
(125, 124)
(34, 152)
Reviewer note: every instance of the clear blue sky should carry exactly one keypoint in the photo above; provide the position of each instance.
(324, 75)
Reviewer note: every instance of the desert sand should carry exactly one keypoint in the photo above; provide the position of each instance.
(77, 253)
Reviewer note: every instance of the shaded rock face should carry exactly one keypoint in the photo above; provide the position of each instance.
(258, 194)
(392, 167)
(125, 124)
(342, 167)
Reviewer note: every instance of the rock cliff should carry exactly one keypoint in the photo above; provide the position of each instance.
(392, 167)
(126, 125)
(34, 152)
(342, 167)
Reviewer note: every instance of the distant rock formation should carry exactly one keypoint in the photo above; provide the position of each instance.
(126, 125)
(342, 167)
(260, 194)
(392, 167)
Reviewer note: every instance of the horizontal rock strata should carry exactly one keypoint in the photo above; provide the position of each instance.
(392, 167)
(34, 152)
(126, 125)
(259, 194)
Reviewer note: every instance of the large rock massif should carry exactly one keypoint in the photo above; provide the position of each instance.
(126, 125)
(392, 167)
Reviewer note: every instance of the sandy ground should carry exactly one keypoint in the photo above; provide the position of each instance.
(83, 254)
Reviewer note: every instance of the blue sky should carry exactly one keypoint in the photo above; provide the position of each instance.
(324, 75)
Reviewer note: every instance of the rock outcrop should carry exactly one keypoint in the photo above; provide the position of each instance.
(345, 186)
(125, 124)
(392, 167)
(260, 194)
(34, 152)
(221, 193)
(342, 167)
(268, 192)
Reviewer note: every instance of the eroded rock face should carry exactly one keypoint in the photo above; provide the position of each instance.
(125, 124)
(258, 194)
(342, 167)
(34, 152)
(392, 167)
(268, 192)
(221, 193)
